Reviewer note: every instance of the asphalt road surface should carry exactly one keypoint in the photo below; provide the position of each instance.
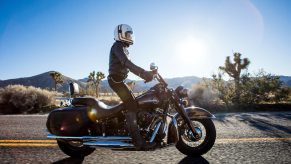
(241, 138)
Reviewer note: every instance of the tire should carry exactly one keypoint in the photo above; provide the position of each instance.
(205, 146)
(79, 151)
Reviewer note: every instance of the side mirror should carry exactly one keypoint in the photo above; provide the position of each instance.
(153, 67)
(74, 88)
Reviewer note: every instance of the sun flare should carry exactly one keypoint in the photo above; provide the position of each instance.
(191, 49)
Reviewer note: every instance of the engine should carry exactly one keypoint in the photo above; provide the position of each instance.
(145, 119)
(115, 126)
(148, 121)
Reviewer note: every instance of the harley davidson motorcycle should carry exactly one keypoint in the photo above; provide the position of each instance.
(163, 118)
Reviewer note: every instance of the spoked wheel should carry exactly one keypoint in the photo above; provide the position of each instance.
(200, 144)
(75, 148)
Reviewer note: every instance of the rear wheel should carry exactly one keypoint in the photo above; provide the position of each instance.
(75, 148)
(191, 145)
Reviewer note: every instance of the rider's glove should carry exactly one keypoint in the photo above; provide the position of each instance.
(147, 76)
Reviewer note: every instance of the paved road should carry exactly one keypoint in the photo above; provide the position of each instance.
(241, 138)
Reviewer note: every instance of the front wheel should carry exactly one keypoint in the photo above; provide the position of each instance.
(75, 148)
(191, 145)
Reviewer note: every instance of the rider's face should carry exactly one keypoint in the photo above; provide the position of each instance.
(128, 35)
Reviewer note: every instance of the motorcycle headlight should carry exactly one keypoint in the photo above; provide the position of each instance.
(181, 91)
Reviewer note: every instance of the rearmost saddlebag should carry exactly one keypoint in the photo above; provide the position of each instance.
(69, 121)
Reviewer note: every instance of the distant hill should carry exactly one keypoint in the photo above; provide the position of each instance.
(286, 80)
(43, 80)
(172, 82)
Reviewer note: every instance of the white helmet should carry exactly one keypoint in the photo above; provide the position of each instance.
(124, 33)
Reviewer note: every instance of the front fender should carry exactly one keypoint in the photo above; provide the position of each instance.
(197, 112)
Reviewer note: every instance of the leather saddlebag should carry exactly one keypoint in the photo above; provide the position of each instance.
(69, 121)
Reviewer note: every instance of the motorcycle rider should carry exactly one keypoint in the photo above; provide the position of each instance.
(119, 67)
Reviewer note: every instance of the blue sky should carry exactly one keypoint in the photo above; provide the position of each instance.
(183, 38)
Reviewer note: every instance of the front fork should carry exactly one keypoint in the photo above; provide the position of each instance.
(180, 109)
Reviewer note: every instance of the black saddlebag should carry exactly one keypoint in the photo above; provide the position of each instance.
(69, 121)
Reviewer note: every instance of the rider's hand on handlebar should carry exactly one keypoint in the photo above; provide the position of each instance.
(147, 76)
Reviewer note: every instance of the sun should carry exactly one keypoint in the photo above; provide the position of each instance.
(191, 49)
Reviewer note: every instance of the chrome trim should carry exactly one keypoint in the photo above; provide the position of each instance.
(122, 138)
(108, 144)
(155, 131)
(148, 102)
(176, 126)
(203, 117)
(166, 127)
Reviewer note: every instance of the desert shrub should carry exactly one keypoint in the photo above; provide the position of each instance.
(263, 88)
(259, 88)
(225, 90)
(203, 95)
(22, 99)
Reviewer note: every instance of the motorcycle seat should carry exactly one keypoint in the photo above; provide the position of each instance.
(102, 110)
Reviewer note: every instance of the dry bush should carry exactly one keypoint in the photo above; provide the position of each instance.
(202, 95)
(109, 99)
(22, 99)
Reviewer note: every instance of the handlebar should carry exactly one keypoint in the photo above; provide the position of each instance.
(159, 78)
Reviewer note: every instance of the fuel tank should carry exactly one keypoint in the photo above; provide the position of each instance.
(148, 100)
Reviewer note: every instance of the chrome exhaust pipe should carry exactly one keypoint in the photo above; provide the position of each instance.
(99, 141)
(108, 138)
(117, 144)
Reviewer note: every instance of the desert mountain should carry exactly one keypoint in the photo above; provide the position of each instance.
(44, 80)
(286, 80)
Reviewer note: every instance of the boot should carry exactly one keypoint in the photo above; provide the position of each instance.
(137, 139)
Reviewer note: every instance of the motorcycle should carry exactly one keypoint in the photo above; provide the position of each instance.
(163, 118)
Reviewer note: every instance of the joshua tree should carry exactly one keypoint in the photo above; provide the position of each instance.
(234, 71)
(95, 78)
(57, 77)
